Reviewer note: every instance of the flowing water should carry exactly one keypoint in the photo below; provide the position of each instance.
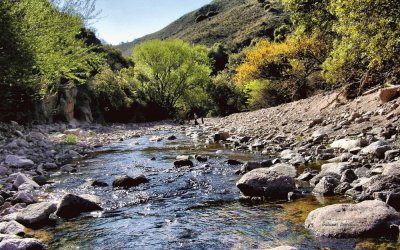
(186, 208)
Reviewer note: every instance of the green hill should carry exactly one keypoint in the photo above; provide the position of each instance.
(234, 23)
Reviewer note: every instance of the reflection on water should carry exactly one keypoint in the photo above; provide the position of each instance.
(187, 208)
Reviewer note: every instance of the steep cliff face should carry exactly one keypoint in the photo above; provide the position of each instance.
(235, 23)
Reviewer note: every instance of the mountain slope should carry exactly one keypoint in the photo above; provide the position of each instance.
(232, 22)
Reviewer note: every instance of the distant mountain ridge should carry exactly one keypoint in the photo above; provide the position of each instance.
(235, 23)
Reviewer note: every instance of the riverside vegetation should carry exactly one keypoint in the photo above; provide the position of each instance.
(304, 124)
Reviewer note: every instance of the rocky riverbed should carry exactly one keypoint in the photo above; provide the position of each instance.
(312, 149)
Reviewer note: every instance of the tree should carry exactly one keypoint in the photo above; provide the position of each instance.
(168, 70)
(86, 9)
(311, 17)
(368, 46)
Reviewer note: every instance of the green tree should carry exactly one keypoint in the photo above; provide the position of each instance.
(368, 46)
(311, 17)
(166, 71)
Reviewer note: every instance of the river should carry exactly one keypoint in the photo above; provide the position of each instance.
(186, 208)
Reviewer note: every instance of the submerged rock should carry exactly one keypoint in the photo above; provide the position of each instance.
(127, 182)
(72, 206)
(366, 219)
(263, 182)
(96, 183)
(183, 163)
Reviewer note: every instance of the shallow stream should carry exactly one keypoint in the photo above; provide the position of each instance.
(186, 208)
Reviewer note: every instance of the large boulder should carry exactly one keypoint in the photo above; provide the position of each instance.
(367, 219)
(36, 215)
(263, 182)
(12, 227)
(72, 206)
(127, 182)
(22, 244)
(18, 161)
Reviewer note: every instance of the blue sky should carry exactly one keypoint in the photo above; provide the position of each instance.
(125, 20)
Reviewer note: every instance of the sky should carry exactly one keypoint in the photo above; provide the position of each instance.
(125, 20)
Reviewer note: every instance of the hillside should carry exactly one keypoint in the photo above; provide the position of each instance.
(234, 23)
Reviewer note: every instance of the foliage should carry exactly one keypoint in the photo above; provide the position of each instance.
(225, 96)
(281, 33)
(85, 9)
(294, 58)
(265, 93)
(168, 70)
(311, 17)
(114, 89)
(368, 40)
(219, 57)
(71, 139)
(49, 38)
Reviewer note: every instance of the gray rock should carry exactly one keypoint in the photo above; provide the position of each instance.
(284, 248)
(36, 215)
(50, 166)
(348, 144)
(348, 176)
(361, 172)
(22, 244)
(263, 182)
(18, 161)
(12, 227)
(380, 183)
(306, 176)
(377, 149)
(335, 168)
(249, 166)
(23, 179)
(127, 182)
(8, 237)
(392, 154)
(72, 206)
(342, 188)
(392, 168)
(366, 219)
(326, 186)
(284, 169)
(36, 136)
(23, 197)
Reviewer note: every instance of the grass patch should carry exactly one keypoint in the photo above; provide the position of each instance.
(71, 139)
